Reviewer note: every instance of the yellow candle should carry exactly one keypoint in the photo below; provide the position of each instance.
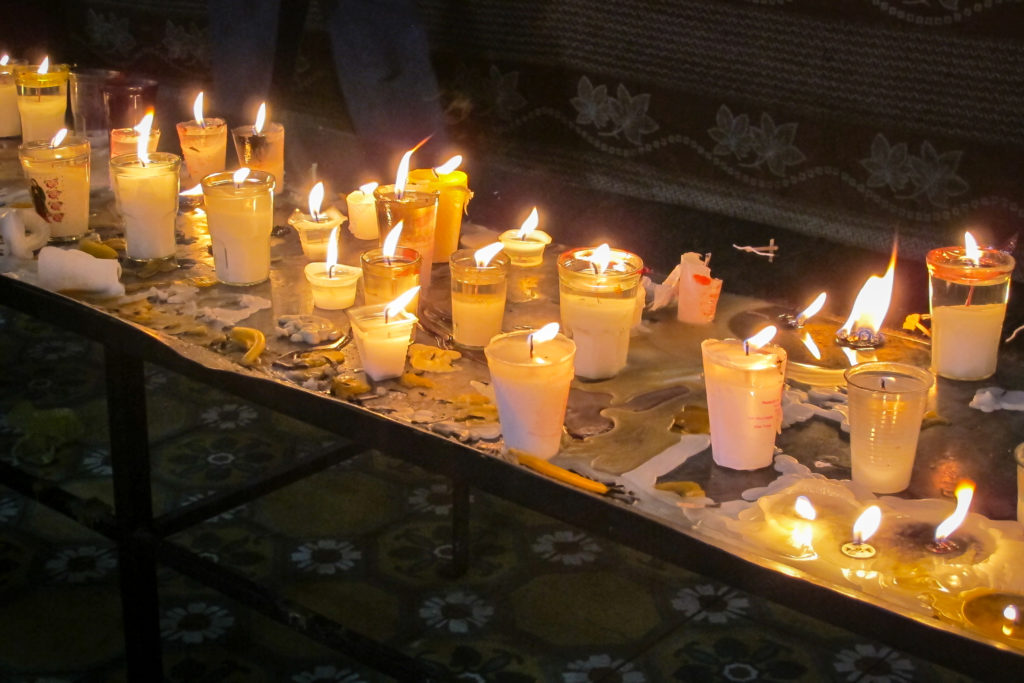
(417, 211)
(454, 194)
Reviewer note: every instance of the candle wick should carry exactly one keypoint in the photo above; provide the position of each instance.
(970, 295)
(883, 383)
(529, 338)
(386, 316)
(746, 348)
(330, 271)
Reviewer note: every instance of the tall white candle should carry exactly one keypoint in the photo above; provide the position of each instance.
(240, 213)
(362, 212)
(147, 197)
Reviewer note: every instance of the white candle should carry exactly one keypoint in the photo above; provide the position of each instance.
(597, 305)
(147, 197)
(531, 386)
(240, 213)
(59, 180)
(317, 228)
(479, 287)
(10, 119)
(887, 403)
(698, 291)
(126, 141)
(42, 99)
(382, 334)
(334, 288)
(744, 392)
(362, 212)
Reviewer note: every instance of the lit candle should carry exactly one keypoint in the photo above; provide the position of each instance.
(479, 286)
(203, 144)
(454, 194)
(417, 211)
(886, 403)
(969, 288)
(597, 300)
(334, 285)
(698, 291)
(58, 173)
(943, 541)
(531, 373)
(382, 334)
(362, 212)
(126, 141)
(240, 213)
(42, 99)
(863, 328)
(390, 270)
(525, 246)
(863, 529)
(10, 119)
(744, 390)
(261, 146)
(317, 228)
(146, 188)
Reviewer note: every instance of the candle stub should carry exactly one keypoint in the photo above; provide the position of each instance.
(858, 551)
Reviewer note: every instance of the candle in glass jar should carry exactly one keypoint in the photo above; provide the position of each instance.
(261, 146)
(317, 228)
(203, 144)
(240, 213)
(10, 119)
(454, 194)
(382, 334)
(417, 212)
(597, 300)
(42, 99)
(525, 246)
(362, 212)
(744, 382)
(385, 277)
(968, 288)
(58, 172)
(479, 286)
(147, 197)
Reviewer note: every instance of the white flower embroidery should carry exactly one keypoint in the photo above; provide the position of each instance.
(328, 673)
(866, 663)
(326, 556)
(195, 623)
(459, 611)
(84, 563)
(571, 548)
(716, 604)
(601, 668)
(229, 416)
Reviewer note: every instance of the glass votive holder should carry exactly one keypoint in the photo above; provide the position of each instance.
(744, 392)
(147, 197)
(59, 184)
(127, 98)
(203, 148)
(887, 402)
(263, 151)
(453, 195)
(418, 213)
(126, 141)
(531, 387)
(478, 297)
(87, 110)
(385, 277)
(240, 218)
(10, 119)
(315, 235)
(597, 307)
(968, 304)
(42, 100)
(334, 286)
(382, 340)
(527, 251)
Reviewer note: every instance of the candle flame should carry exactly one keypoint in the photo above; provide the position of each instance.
(599, 258)
(316, 200)
(760, 339)
(449, 166)
(332, 250)
(402, 175)
(804, 508)
(391, 241)
(872, 303)
(195, 191)
(261, 118)
(802, 537)
(1010, 613)
(3, 60)
(58, 138)
(44, 66)
(142, 143)
(401, 301)
(964, 494)
(971, 251)
(867, 524)
(529, 225)
(368, 187)
(811, 310)
(240, 175)
(811, 346)
(197, 110)
(484, 255)
(544, 334)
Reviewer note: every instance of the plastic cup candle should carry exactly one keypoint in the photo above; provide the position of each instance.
(525, 246)
(58, 175)
(42, 99)
(390, 270)
(416, 210)
(334, 285)
(479, 286)
(698, 291)
(240, 213)
(362, 212)
(10, 119)
(887, 403)
(968, 289)
(383, 333)
(317, 228)
(597, 300)
(261, 146)
(531, 373)
(146, 188)
(204, 144)
(453, 191)
(744, 389)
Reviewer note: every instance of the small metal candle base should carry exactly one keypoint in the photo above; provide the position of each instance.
(946, 546)
(861, 338)
(858, 551)
(921, 535)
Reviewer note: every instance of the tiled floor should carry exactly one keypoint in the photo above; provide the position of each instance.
(364, 542)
